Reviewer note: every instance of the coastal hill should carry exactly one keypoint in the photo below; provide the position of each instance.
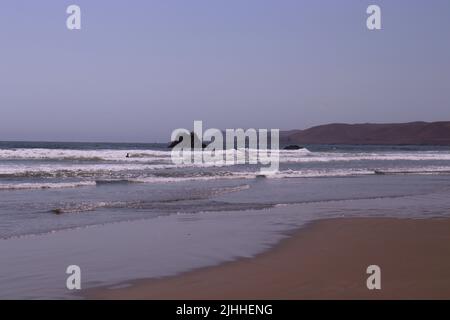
(413, 133)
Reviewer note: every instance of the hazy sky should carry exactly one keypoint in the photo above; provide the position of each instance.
(139, 69)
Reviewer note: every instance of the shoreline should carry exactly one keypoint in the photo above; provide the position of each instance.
(325, 259)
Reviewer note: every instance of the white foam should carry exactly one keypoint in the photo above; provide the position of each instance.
(24, 186)
(75, 169)
(237, 175)
(88, 155)
(386, 156)
(302, 155)
(109, 162)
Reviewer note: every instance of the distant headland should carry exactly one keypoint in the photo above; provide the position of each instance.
(412, 133)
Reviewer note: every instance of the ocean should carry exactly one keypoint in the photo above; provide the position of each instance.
(142, 216)
(47, 187)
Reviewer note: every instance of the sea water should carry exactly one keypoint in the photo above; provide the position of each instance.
(142, 216)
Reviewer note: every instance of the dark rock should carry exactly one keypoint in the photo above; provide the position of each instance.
(193, 137)
(292, 147)
(57, 211)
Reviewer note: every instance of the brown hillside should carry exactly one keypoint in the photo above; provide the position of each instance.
(414, 133)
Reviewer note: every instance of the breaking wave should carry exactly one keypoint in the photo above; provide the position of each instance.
(172, 177)
(59, 185)
(163, 157)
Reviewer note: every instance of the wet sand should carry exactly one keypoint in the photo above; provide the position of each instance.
(324, 260)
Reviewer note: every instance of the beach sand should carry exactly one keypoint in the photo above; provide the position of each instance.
(326, 259)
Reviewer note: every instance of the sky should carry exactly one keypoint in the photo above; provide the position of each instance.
(139, 69)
